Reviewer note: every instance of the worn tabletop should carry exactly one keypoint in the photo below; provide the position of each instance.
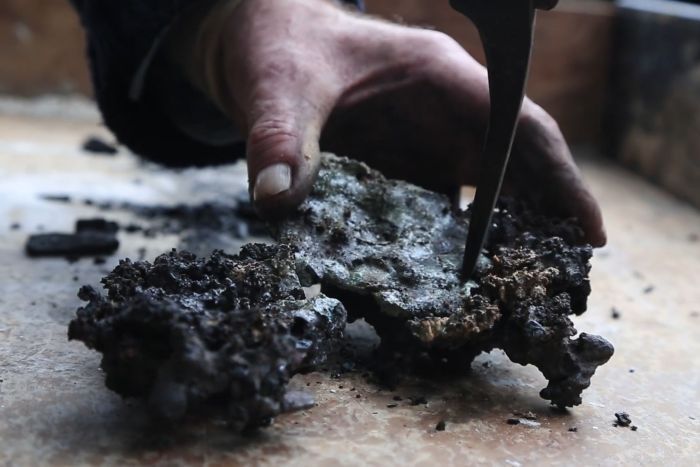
(54, 408)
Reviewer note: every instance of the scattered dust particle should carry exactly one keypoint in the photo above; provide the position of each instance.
(15, 226)
(357, 396)
(632, 370)
(694, 314)
(649, 289)
(441, 425)
(392, 406)
(693, 238)
(615, 313)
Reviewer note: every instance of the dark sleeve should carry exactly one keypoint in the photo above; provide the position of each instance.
(120, 35)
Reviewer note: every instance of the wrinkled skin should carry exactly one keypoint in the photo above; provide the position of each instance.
(410, 102)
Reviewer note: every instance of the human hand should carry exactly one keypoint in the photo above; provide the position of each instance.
(410, 102)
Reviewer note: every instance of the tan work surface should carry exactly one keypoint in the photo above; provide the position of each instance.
(54, 408)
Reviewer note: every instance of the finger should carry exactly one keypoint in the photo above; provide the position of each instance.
(543, 157)
(283, 143)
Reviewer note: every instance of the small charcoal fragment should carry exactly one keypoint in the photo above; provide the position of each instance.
(71, 245)
(392, 406)
(634, 428)
(441, 425)
(96, 225)
(622, 419)
(91, 237)
(513, 421)
(615, 313)
(96, 145)
(56, 198)
(573, 429)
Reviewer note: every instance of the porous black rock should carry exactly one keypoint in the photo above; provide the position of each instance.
(223, 333)
(229, 331)
(391, 252)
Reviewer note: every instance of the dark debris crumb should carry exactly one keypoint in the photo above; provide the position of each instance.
(56, 198)
(15, 226)
(622, 419)
(392, 406)
(97, 145)
(513, 421)
(441, 425)
(573, 429)
(91, 237)
(634, 428)
(649, 289)
(398, 398)
(615, 313)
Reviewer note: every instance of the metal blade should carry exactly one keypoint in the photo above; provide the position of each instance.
(506, 29)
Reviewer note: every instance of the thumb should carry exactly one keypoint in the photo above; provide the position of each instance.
(283, 152)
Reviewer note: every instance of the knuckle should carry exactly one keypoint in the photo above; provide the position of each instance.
(537, 117)
(269, 134)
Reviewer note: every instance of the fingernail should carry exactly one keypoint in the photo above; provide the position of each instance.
(272, 180)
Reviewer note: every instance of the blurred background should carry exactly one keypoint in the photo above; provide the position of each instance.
(623, 77)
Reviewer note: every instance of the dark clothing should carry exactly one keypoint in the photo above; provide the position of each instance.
(121, 34)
